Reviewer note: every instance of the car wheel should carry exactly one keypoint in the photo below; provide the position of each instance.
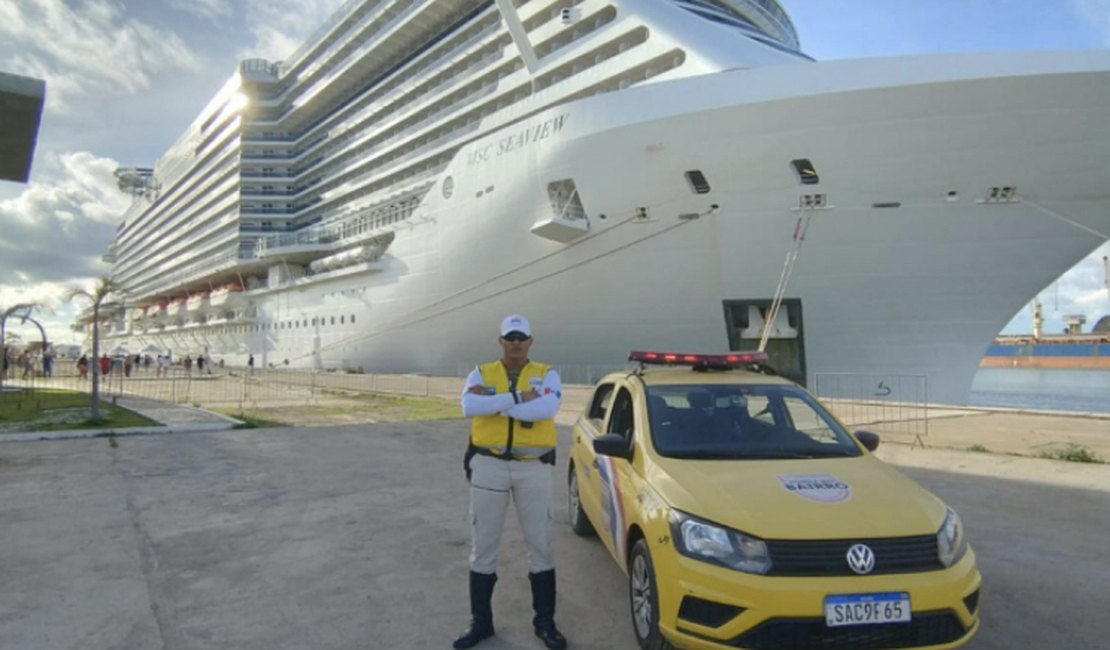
(643, 594)
(578, 521)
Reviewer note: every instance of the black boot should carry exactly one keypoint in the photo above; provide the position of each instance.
(543, 601)
(481, 610)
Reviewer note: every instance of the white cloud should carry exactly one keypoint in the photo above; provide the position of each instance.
(57, 230)
(89, 47)
(54, 234)
(1082, 290)
(213, 10)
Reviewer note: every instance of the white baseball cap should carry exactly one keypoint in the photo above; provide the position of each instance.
(515, 323)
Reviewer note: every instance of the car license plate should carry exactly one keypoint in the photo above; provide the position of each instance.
(866, 609)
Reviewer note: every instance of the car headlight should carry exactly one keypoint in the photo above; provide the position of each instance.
(951, 544)
(701, 540)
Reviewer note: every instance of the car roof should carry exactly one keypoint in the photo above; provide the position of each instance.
(664, 375)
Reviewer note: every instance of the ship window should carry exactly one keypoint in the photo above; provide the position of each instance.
(342, 320)
(807, 172)
(697, 181)
(352, 319)
(333, 320)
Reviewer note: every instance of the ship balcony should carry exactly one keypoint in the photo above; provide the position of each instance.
(259, 71)
(301, 253)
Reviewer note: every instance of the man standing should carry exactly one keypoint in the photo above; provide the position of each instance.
(513, 402)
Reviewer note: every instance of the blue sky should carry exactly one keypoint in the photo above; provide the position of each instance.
(126, 77)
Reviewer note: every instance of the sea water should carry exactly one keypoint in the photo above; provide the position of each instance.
(1052, 389)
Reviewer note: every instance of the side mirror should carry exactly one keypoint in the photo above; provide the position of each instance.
(868, 439)
(613, 444)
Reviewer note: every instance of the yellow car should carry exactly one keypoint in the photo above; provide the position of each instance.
(746, 516)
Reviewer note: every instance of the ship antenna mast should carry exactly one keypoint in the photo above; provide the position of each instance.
(1038, 318)
(1106, 269)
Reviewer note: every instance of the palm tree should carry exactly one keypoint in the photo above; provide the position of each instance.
(104, 287)
(26, 308)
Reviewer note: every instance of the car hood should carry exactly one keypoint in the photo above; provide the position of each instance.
(833, 498)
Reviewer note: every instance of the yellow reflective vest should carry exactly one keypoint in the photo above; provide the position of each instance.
(497, 432)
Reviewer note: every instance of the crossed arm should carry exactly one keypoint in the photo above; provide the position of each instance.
(529, 405)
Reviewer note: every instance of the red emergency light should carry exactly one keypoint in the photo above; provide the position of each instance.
(728, 360)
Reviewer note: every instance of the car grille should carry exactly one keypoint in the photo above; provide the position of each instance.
(926, 629)
(829, 557)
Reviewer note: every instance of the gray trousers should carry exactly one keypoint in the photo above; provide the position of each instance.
(492, 482)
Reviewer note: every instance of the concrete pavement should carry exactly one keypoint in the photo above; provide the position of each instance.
(356, 537)
(173, 418)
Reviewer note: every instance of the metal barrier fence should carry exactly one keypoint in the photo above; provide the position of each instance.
(894, 405)
(241, 387)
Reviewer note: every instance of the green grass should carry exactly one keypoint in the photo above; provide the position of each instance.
(59, 410)
(252, 422)
(979, 448)
(1071, 452)
(345, 407)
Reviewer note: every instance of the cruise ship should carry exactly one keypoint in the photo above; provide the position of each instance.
(630, 174)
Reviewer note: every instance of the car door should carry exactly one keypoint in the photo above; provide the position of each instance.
(582, 451)
(616, 476)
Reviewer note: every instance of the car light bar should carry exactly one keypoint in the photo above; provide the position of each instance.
(729, 360)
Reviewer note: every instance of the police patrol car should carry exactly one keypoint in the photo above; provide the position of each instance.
(746, 516)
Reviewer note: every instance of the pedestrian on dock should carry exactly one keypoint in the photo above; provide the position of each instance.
(512, 403)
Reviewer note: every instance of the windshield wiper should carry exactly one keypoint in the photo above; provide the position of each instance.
(794, 453)
(775, 453)
(703, 454)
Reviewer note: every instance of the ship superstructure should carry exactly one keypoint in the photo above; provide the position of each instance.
(627, 173)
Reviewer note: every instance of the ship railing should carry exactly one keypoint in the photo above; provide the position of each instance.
(318, 36)
(775, 20)
(201, 268)
(405, 84)
(341, 231)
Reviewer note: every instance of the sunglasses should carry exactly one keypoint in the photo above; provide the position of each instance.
(515, 337)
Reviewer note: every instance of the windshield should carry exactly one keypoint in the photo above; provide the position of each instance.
(749, 421)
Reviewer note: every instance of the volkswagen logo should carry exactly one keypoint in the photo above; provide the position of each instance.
(861, 559)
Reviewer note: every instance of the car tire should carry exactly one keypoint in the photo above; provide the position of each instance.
(643, 596)
(579, 523)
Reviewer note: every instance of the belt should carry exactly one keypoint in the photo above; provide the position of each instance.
(548, 457)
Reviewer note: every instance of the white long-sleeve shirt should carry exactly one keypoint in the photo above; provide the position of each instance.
(545, 407)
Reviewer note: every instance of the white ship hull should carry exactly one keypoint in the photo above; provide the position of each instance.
(919, 287)
(629, 175)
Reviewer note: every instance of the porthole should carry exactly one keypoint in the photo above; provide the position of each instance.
(697, 181)
(448, 187)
